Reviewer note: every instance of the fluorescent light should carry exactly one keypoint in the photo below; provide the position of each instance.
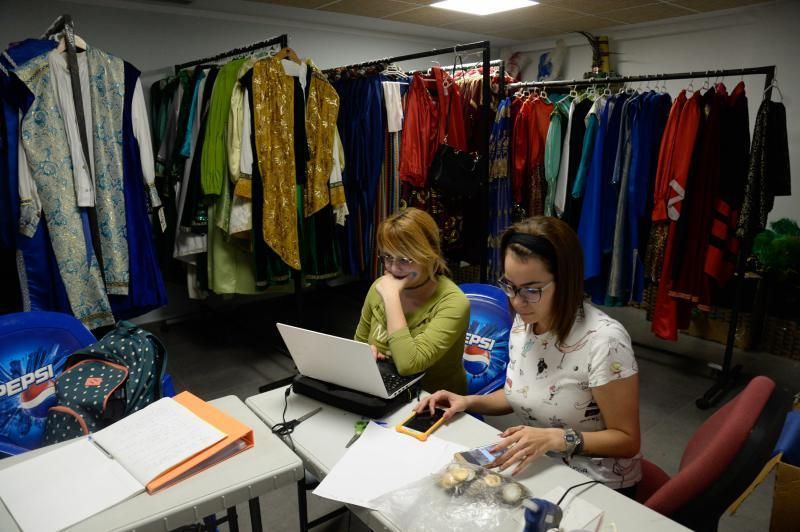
(483, 7)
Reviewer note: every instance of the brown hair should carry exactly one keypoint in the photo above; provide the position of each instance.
(412, 233)
(557, 246)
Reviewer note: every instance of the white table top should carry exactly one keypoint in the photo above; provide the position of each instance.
(321, 440)
(268, 465)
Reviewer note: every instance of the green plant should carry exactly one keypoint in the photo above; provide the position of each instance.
(778, 249)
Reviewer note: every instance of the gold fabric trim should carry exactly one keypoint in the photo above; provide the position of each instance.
(321, 114)
(273, 95)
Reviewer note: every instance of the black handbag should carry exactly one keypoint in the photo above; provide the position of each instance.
(455, 173)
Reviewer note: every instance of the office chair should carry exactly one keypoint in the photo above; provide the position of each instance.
(721, 459)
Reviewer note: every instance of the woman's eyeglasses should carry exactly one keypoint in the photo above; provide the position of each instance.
(398, 262)
(527, 293)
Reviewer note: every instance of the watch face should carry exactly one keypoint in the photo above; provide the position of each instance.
(570, 437)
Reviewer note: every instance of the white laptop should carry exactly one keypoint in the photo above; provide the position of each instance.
(343, 362)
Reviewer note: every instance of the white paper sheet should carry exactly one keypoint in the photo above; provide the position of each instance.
(65, 486)
(383, 460)
(578, 513)
(156, 438)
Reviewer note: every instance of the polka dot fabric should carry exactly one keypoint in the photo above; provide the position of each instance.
(106, 381)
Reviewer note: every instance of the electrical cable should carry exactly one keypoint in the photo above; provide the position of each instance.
(576, 486)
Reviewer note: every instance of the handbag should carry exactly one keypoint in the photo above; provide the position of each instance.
(454, 173)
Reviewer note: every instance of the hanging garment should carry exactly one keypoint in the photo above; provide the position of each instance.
(559, 127)
(40, 284)
(424, 110)
(44, 137)
(723, 244)
(189, 243)
(626, 281)
(317, 110)
(665, 313)
(500, 202)
(768, 173)
(231, 269)
(146, 286)
(598, 215)
(530, 134)
(214, 160)
(661, 186)
(426, 125)
(362, 130)
(274, 130)
(690, 284)
(570, 205)
(587, 149)
(269, 267)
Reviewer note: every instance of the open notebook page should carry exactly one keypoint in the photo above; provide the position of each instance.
(149, 442)
(64, 486)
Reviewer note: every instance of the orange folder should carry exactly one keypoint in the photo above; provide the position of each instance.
(238, 437)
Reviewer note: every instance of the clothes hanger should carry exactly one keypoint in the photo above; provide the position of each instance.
(773, 85)
(706, 83)
(288, 54)
(607, 90)
(80, 44)
(393, 69)
(573, 91)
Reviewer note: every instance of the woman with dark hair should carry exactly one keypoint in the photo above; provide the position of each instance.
(572, 376)
(414, 313)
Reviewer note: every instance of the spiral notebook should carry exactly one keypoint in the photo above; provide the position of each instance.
(165, 443)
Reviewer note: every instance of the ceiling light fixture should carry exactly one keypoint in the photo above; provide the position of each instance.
(483, 7)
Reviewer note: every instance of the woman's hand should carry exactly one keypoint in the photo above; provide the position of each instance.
(526, 444)
(452, 403)
(390, 285)
(377, 354)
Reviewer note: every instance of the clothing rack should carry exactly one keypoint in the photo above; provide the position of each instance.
(727, 374)
(281, 40)
(485, 49)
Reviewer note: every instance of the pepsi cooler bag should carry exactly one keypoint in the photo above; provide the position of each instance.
(105, 382)
(34, 347)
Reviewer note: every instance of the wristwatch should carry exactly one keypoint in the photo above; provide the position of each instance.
(574, 442)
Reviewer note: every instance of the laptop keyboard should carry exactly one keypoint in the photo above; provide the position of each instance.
(391, 379)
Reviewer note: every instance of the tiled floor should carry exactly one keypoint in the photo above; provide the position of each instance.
(234, 352)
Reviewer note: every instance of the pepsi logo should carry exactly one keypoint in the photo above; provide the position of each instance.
(37, 399)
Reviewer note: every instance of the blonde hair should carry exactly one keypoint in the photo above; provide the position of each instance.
(413, 234)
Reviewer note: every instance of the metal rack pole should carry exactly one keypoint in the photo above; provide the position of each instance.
(281, 40)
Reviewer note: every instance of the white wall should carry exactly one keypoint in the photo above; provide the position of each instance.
(154, 37)
(761, 35)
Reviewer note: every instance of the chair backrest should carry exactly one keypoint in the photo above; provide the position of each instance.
(708, 460)
(486, 343)
(33, 349)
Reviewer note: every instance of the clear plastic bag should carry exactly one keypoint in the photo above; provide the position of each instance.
(458, 498)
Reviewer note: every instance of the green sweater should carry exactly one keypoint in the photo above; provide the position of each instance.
(432, 342)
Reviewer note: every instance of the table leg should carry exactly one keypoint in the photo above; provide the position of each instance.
(233, 519)
(302, 505)
(255, 515)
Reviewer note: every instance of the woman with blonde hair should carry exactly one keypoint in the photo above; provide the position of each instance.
(414, 314)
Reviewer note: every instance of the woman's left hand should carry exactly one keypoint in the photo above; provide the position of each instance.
(524, 445)
(391, 285)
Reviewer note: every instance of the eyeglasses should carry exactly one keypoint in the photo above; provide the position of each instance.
(399, 262)
(527, 293)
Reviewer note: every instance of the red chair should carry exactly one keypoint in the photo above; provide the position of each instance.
(723, 456)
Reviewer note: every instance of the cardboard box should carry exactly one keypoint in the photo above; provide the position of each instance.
(786, 499)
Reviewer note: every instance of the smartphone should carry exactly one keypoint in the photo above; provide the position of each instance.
(479, 456)
(421, 425)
